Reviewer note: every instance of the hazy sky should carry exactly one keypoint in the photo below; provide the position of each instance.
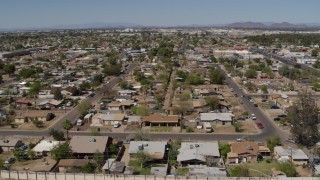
(44, 13)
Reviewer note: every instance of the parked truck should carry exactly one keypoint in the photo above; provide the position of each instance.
(207, 127)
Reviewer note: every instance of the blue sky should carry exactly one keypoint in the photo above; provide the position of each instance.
(46, 13)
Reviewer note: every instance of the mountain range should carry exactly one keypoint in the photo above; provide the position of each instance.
(244, 25)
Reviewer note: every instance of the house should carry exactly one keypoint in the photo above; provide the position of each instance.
(116, 106)
(217, 118)
(198, 153)
(44, 147)
(133, 120)
(49, 104)
(127, 92)
(8, 145)
(247, 151)
(158, 119)
(87, 146)
(23, 103)
(297, 156)
(155, 149)
(109, 119)
(33, 115)
(65, 164)
(205, 171)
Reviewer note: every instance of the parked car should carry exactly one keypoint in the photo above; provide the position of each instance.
(275, 107)
(260, 125)
(253, 117)
(276, 119)
(10, 160)
(231, 89)
(282, 115)
(116, 125)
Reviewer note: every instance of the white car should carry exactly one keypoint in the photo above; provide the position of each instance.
(231, 89)
(253, 116)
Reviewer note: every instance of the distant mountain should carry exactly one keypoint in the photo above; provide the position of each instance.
(247, 25)
(271, 25)
(288, 25)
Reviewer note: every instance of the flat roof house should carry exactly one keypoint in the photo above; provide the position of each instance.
(221, 118)
(198, 153)
(160, 120)
(109, 119)
(155, 149)
(8, 145)
(44, 147)
(87, 146)
(297, 156)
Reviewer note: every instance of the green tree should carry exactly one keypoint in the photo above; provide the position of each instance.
(67, 125)
(224, 150)
(216, 76)
(84, 108)
(213, 102)
(113, 150)
(250, 73)
(195, 79)
(58, 95)
(304, 118)
(19, 154)
(88, 168)
(315, 52)
(213, 59)
(143, 158)
(98, 158)
(174, 151)
(264, 89)
(37, 123)
(62, 151)
(35, 89)
(31, 153)
(316, 64)
(9, 69)
(57, 135)
(273, 142)
(288, 168)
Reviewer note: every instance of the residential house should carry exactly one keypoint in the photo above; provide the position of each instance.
(23, 103)
(217, 118)
(116, 106)
(157, 150)
(199, 153)
(87, 146)
(127, 93)
(158, 119)
(247, 151)
(44, 147)
(109, 119)
(67, 164)
(49, 104)
(297, 156)
(33, 115)
(205, 171)
(8, 145)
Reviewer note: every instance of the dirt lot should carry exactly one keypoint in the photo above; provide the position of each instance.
(43, 164)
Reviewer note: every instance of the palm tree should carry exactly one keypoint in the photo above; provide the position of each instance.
(67, 125)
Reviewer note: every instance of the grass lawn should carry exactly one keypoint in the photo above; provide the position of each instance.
(263, 167)
(137, 168)
(160, 129)
(182, 171)
(264, 105)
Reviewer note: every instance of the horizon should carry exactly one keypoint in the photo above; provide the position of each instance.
(40, 14)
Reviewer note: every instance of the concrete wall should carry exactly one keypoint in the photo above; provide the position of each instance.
(25, 175)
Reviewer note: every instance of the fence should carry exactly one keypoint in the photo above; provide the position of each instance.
(26, 175)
